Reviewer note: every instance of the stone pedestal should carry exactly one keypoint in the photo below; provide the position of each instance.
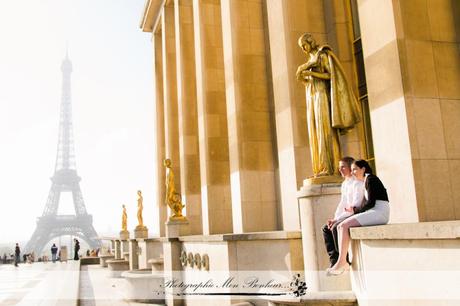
(117, 249)
(143, 286)
(103, 260)
(157, 264)
(124, 250)
(171, 251)
(112, 246)
(133, 255)
(64, 255)
(172, 270)
(117, 266)
(141, 232)
(124, 235)
(148, 249)
(176, 228)
(317, 203)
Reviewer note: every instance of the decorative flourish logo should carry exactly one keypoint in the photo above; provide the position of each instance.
(298, 286)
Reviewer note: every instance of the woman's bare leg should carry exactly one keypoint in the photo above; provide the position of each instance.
(344, 241)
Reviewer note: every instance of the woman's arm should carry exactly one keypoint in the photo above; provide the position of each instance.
(375, 190)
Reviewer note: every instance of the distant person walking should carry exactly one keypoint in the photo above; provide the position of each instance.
(17, 255)
(76, 248)
(54, 250)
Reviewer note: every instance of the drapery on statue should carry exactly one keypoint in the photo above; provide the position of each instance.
(139, 209)
(124, 220)
(332, 108)
(172, 198)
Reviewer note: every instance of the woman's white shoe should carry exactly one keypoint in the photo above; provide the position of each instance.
(336, 272)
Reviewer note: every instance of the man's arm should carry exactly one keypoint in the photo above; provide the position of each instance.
(343, 201)
(358, 195)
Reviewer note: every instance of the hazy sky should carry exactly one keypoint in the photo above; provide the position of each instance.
(113, 111)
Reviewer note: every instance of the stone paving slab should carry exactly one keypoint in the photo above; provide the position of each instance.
(61, 284)
(40, 284)
(97, 288)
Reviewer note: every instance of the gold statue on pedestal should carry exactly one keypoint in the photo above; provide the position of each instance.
(140, 207)
(172, 198)
(124, 233)
(124, 219)
(332, 108)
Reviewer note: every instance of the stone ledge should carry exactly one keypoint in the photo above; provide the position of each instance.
(318, 190)
(422, 230)
(90, 260)
(141, 273)
(168, 239)
(318, 298)
(151, 239)
(275, 235)
(156, 261)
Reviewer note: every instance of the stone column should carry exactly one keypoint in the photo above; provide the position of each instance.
(250, 117)
(412, 63)
(212, 118)
(162, 213)
(172, 264)
(112, 246)
(187, 111)
(287, 21)
(172, 270)
(124, 248)
(118, 252)
(133, 255)
(317, 203)
(170, 90)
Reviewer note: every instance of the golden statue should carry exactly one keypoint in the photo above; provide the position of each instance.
(172, 198)
(124, 220)
(332, 108)
(139, 209)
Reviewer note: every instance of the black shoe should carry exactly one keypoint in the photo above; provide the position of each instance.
(348, 260)
(333, 261)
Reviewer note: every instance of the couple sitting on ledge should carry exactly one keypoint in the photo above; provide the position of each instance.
(364, 202)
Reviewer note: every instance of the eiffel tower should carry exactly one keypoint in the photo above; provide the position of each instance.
(65, 179)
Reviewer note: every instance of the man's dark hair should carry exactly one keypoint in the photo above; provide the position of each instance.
(347, 160)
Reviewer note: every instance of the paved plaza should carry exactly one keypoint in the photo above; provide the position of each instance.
(39, 284)
(47, 284)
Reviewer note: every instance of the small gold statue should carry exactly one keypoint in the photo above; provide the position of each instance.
(140, 207)
(172, 198)
(332, 108)
(124, 219)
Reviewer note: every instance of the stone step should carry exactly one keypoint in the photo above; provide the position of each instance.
(91, 260)
(318, 298)
(156, 263)
(116, 266)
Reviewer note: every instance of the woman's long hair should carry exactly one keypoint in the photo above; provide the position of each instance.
(363, 164)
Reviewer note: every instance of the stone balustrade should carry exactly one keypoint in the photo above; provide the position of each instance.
(396, 264)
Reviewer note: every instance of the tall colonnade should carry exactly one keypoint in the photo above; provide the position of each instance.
(232, 117)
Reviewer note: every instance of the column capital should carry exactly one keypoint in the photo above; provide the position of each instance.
(152, 11)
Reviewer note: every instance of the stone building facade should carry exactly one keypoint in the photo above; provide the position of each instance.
(231, 115)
